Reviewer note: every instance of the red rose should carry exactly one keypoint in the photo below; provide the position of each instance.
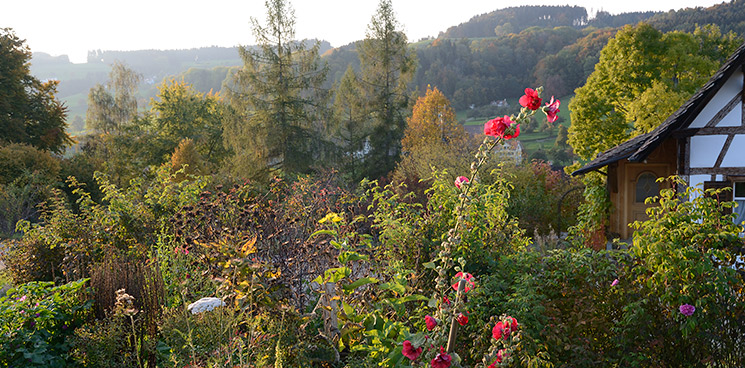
(442, 360)
(498, 127)
(551, 109)
(410, 352)
(462, 319)
(531, 99)
(431, 322)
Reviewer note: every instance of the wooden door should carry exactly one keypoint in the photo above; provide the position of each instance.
(641, 183)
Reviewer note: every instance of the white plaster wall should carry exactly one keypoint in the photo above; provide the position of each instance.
(697, 181)
(732, 87)
(705, 149)
(736, 154)
(734, 118)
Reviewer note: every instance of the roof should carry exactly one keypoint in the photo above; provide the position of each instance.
(638, 148)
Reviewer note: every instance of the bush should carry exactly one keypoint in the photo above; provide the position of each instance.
(17, 160)
(37, 321)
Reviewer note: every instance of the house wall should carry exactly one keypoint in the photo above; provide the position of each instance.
(622, 181)
(732, 88)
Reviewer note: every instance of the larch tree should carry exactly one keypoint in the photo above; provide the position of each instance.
(433, 139)
(29, 110)
(350, 129)
(387, 66)
(279, 104)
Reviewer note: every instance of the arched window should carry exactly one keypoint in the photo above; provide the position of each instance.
(646, 186)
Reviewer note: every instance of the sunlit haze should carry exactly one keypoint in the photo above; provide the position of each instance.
(75, 26)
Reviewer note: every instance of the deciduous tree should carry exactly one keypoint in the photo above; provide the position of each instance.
(642, 77)
(113, 105)
(29, 110)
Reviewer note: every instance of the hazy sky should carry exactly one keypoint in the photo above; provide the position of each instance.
(73, 27)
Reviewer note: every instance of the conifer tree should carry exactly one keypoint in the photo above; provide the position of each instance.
(278, 100)
(350, 130)
(387, 66)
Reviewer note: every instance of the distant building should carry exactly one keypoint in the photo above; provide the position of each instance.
(510, 152)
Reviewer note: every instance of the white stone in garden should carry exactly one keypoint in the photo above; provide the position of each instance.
(205, 305)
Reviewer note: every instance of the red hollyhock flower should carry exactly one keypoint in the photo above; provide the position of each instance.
(410, 352)
(498, 127)
(499, 331)
(551, 109)
(512, 326)
(469, 281)
(431, 322)
(530, 99)
(500, 357)
(442, 360)
(462, 319)
(459, 181)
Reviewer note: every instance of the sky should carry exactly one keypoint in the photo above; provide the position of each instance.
(72, 27)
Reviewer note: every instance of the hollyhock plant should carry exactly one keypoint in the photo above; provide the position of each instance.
(460, 181)
(531, 99)
(500, 358)
(442, 360)
(469, 281)
(410, 352)
(498, 127)
(431, 322)
(462, 319)
(551, 109)
(503, 329)
(687, 310)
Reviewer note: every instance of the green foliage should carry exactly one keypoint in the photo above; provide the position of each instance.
(622, 96)
(686, 250)
(112, 106)
(535, 195)
(278, 100)
(592, 217)
(387, 66)
(19, 160)
(29, 110)
(37, 321)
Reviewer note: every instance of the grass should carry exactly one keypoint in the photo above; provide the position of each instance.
(532, 141)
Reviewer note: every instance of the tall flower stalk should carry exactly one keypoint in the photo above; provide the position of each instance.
(497, 131)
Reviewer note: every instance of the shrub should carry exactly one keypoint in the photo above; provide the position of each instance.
(37, 321)
(17, 159)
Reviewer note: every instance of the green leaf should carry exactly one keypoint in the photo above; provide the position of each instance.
(323, 232)
(429, 265)
(347, 256)
(359, 282)
(393, 286)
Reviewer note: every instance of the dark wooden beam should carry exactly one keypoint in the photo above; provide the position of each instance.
(727, 143)
(736, 171)
(725, 110)
(709, 131)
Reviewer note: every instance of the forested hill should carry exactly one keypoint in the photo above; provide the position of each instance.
(516, 19)
(729, 16)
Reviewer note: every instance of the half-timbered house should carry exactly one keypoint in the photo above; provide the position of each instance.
(703, 142)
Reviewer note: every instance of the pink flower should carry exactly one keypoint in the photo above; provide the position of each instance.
(498, 127)
(410, 352)
(530, 99)
(614, 283)
(442, 360)
(687, 309)
(459, 181)
(431, 322)
(22, 299)
(469, 281)
(551, 109)
(462, 319)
